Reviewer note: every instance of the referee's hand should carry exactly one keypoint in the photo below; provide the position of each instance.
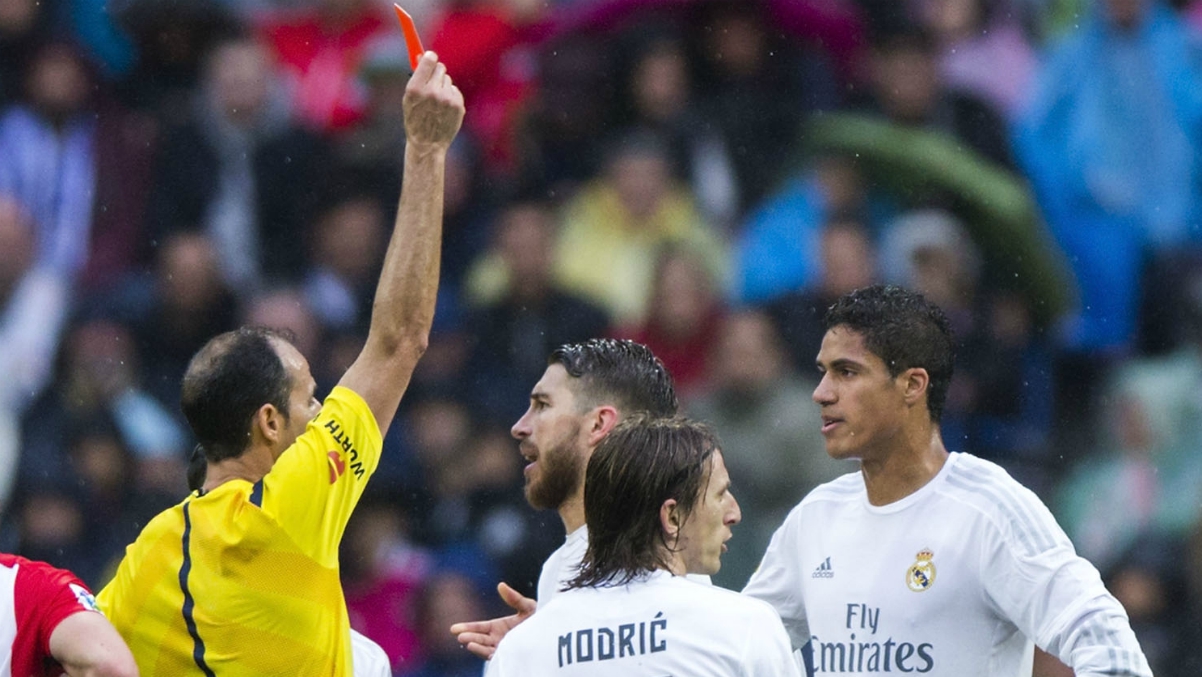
(482, 637)
(433, 105)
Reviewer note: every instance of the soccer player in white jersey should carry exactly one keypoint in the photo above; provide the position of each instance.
(586, 389)
(658, 505)
(925, 562)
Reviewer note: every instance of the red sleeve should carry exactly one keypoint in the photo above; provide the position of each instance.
(43, 597)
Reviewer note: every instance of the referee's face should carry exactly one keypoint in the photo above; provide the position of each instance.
(302, 400)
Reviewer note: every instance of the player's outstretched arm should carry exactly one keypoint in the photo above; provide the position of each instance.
(482, 637)
(403, 309)
(87, 645)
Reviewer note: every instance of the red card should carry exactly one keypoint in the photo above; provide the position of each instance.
(413, 42)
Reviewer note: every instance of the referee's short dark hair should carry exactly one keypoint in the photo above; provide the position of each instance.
(227, 381)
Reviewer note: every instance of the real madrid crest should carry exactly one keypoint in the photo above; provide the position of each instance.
(921, 574)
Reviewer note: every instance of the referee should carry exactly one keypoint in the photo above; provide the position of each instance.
(241, 578)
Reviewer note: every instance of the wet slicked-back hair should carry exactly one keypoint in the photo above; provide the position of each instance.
(903, 329)
(641, 463)
(227, 381)
(619, 372)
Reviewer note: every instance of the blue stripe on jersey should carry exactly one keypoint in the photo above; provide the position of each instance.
(198, 645)
(256, 494)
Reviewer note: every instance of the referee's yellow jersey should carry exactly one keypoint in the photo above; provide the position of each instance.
(243, 580)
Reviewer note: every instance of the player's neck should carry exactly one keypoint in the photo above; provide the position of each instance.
(676, 563)
(571, 512)
(905, 468)
(251, 466)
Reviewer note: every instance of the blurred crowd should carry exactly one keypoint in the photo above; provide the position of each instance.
(704, 176)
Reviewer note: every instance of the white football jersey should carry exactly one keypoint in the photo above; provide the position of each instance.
(659, 626)
(956, 579)
(368, 658)
(564, 564)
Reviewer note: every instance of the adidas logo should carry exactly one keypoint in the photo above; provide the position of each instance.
(824, 570)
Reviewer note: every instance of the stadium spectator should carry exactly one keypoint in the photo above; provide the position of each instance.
(661, 98)
(510, 335)
(847, 258)
(100, 378)
(447, 596)
(781, 248)
(173, 311)
(47, 160)
(1000, 404)
(344, 261)
(753, 84)
(23, 24)
(1110, 139)
(613, 227)
(231, 167)
(319, 48)
(383, 573)
(561, 130)
(983, 48)
(33, 310)
(682, 318)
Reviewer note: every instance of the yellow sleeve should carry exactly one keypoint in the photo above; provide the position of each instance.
(316, 483)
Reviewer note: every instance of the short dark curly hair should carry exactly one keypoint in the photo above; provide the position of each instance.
(903, 329)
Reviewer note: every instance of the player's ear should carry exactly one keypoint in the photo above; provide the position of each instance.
(601, 421)
(669, 518)
(915, 381)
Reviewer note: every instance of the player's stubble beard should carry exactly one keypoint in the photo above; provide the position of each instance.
(559, 473)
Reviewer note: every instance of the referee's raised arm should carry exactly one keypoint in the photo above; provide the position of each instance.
(403, 309)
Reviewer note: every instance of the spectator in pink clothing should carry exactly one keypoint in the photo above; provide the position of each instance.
(983, 49)
(320, 51)
(383, 574)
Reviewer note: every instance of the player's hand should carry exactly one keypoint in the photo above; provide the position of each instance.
(482, 637)
(433, 105)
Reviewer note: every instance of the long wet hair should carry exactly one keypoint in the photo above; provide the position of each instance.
(641, 463)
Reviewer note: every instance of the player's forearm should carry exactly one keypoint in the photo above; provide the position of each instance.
(110, 668)
(87, 645)
(403, 310)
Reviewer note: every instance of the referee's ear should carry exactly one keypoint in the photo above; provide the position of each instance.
(267, 425)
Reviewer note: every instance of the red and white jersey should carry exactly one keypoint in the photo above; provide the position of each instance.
(34, 598)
